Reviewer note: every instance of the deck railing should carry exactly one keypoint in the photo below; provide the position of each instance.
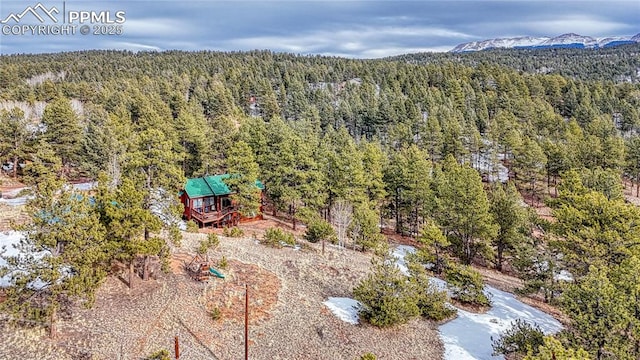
(210, 216)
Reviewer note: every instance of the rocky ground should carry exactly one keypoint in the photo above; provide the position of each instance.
(287, 318)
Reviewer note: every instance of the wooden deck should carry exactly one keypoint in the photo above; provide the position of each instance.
(227, 216)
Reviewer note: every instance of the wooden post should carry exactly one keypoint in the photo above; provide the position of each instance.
(177, 347)
(246, 322)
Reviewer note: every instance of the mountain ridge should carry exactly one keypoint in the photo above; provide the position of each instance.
(568, 40)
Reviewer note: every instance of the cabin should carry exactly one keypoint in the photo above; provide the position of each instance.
(207, 201)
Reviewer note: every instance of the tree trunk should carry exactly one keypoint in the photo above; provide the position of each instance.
(145, 269)
(467, 252)
(499, 258)
(53, 331)
(131, 274)
(15, 167)
(397, 200)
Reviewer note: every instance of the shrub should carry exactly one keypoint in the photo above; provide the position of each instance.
(211, 242)
(223, 263)
(159, 355)
(368, 356)
(276, 237)
(319, 229)
(192, 227)
(520, 338)
(234, 232)
(466, 285)
(215, 314)
(553, 349)
(386, 296)
(431, 301)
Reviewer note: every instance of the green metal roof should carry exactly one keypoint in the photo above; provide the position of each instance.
(211, 185)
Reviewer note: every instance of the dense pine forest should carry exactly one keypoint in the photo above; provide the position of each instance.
(457, 151)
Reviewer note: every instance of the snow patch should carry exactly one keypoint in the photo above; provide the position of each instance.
(399, 253)
(9, 197)
(86, 186)
(563, 275)
(468, 336)
(15, 201)
(345, 309)
(8, 242)
(564, 40)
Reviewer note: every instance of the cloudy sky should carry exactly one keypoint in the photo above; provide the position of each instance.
(363, 29)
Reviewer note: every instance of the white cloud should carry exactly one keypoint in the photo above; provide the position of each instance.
(157, 27)
(580, 24)
(362, 41)
(125, 45)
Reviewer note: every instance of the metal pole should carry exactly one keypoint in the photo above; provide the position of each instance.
(246, 322)
(177, 347)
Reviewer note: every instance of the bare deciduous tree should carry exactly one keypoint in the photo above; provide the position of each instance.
(341, 216)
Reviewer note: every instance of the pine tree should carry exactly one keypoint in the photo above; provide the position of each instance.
(596, 310)
(364, 228)
(63, 131)
(291, 174)
(408, 177)
(63, 255)
(14, 137)
(386, 296)
(373, 161)
(345, 176)
(632, 161)
(153, 165)
(243, 171)
(124, 214)
(44, 163)
(510, 217)
(529, 164)
(462, 210)
(435, 247)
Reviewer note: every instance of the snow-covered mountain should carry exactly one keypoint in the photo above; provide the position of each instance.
(570, 40)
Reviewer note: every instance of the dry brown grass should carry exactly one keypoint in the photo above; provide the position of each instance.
(287, 317)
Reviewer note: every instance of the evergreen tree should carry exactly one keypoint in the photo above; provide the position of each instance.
(243, 172)
(435, 246)
(386, 296)
(596, 310)
(462, 210)
(14, 137)
(63, 131)
(153, 166)
(510, 217)
(44, 163)
(126, 218)
(291, 174)
(632, 161)
(408, 177)
(529, 164)
(593, 230)
(63, 255)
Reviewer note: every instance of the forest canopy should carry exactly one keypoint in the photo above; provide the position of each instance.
(454, 150)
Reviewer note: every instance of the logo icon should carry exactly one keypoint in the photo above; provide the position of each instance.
(38, 11)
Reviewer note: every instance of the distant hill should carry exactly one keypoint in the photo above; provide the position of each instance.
(569, 40)
(611, 63)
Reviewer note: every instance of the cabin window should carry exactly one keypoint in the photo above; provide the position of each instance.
(197, 204)
(209, 204)
(226, 202)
